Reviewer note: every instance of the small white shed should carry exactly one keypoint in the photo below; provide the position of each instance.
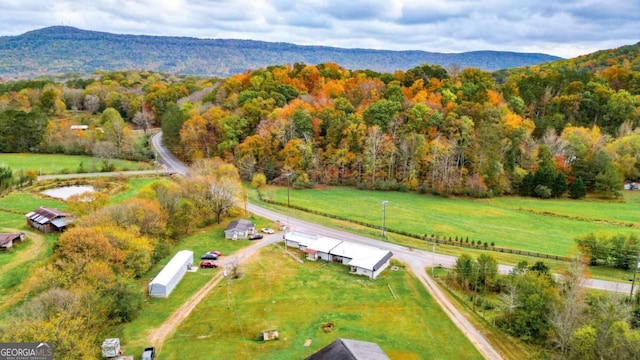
(163, 284)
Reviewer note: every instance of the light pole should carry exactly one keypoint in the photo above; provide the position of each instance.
(635, 273)
(288, 187)
(384, 211)
(433, 256)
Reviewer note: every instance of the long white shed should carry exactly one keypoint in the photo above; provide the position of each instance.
(163, 284)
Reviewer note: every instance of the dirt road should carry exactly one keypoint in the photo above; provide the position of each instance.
(478, 340)
(36, 249)
(158, 336)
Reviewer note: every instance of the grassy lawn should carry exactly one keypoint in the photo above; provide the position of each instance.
(156, 311)
(512, 222)
(297, 299)
(598, 272)
(46, 164)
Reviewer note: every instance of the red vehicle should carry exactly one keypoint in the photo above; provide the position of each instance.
(215, 252)
(208, 264)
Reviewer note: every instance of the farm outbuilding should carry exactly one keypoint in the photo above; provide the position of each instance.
(163, 284)
(363, 260)
(321, 248)
(49, 220)
(7, 240)
(299, 240)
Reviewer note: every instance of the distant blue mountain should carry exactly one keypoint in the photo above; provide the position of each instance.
(62, 49)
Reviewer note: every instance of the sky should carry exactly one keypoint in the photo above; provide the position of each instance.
(565, 28)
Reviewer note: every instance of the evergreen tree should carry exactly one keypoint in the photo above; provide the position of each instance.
(577, 190)
(609, 182)
(559, 186)
(527, 185)
(171, 123)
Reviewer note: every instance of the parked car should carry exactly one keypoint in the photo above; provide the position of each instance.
(255, 236)
(209, 256)
(283, 227)
(215, 252)
(267, 230)
(149, 353)
(208, 264)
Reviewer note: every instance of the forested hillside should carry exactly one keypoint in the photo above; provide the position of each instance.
(562, 130)
(545, 133)
(60, 49)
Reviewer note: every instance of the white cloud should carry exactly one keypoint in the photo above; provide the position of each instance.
(565, 28)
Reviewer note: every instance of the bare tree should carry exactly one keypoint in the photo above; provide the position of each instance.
(220, 186)
(373, 149)
(92, 103)
(144, 119)
(567, 315)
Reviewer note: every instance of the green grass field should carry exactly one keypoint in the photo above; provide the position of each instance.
(47, 164)
(297, 299)
(156, 311)
(546, 226)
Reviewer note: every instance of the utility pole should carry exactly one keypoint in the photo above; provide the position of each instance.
(433, 256)
(226, 275)
(155, 162)
(635, 274)
(384, 211)
(288, 187)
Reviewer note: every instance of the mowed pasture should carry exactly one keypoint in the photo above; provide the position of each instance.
(277, 292)
(545, 226)
(50, 164)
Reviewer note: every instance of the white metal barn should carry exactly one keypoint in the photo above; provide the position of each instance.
(299, 240)
(171, 274)
(362, 259)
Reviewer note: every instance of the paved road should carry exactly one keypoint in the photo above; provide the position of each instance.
(170, 162)
(413, 257)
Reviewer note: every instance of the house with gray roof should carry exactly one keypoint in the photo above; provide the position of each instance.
(239, 229)
(348, 349)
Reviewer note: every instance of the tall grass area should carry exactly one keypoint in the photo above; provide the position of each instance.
(297, 299)
(546, 226)
(49, 164)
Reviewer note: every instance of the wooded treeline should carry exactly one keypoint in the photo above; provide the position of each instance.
(541, 131)
(556, 313)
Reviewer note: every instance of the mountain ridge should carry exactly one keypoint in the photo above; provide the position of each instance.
(64, 49)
